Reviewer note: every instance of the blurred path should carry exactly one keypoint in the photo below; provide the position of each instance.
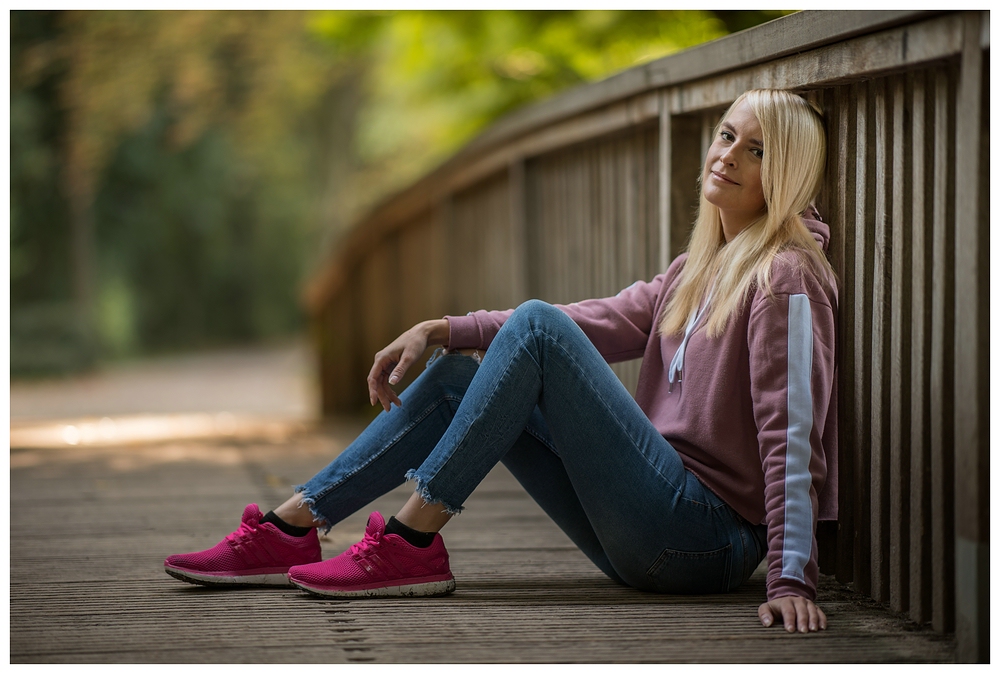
(269, 381)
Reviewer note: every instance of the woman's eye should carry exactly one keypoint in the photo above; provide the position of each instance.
(725, 135)
(757, 152)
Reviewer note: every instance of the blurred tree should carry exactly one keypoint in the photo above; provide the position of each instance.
(183, 157)
(175, 174)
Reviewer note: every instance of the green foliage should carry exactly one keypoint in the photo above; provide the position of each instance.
(206, 158)
(39, 236)
(189, 252)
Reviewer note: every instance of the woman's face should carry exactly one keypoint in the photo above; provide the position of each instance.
(731, 179)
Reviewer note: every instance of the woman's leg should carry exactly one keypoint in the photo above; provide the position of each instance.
(377, 460)
(263, 549)
(659, 526)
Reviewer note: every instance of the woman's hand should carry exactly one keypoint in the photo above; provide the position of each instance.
(392, 362)
(795, 612)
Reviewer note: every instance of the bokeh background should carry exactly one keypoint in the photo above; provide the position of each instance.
(175, 177)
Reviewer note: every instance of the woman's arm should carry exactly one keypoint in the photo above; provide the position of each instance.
(392, 362)
(791, 344)
(618, 326)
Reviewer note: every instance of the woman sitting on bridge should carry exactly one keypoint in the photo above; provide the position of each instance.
(726, 455)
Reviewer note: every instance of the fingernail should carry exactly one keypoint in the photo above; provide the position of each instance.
(767, 622)
(393, 379)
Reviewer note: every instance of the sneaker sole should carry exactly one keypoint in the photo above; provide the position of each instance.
(264, 579)
(433, 589)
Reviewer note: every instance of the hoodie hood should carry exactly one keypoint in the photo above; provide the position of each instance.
(819, 229)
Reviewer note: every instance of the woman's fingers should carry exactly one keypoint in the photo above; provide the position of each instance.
(390, 365)
(765, 615)
(788, 614)
(797, 613)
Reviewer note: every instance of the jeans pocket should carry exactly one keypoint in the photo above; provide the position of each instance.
(679, 572)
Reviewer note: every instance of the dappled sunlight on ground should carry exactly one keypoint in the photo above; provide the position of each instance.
(130, 430)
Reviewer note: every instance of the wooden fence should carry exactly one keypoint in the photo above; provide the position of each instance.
(583, 194)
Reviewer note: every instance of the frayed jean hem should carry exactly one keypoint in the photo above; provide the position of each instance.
(425, 494)
(310, 502)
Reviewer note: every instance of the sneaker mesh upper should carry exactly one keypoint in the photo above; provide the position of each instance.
(252, 548)
(377, 560)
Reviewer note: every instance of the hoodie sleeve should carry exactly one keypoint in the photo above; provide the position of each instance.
(618, 326)
(791, 345)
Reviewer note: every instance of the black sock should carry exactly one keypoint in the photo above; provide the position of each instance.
(284, 526)
(418, 539)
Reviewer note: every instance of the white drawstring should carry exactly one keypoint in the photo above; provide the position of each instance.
(677, 362)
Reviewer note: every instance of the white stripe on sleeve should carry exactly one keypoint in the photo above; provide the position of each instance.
(798, 535)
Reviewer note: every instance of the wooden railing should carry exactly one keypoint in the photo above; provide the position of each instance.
(583, 194)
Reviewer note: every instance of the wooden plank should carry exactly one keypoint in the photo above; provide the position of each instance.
(687, 161)
(879, 334)
(942, 355)
(862, 273)
(653, 231)
(841, 192)
(907, 47)
(788, 35)
(901, 195)
(98, 595)
(972, 352)
(516, 179)
(666, 159)
(631, 169)
(920, 413)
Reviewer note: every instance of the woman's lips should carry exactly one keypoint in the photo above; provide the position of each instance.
(724, 178)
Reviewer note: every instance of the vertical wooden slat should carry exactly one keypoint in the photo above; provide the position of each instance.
(840, 196)
(531, 227)
(708, 121)
(972, 353)
(899, 373)
(861, 296)
(604, 253)
(919, 521)
(665, 147)
(879, 408)
(687, 159)
(942, 357)
(517, 180)
(653, 230)
(628, 243)
(827, 533)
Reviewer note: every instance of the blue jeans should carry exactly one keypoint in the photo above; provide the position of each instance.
(546, 403)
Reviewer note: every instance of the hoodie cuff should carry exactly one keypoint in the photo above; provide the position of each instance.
(786, 587)
(463, 333)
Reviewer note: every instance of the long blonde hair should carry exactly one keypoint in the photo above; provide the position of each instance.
(791, 173)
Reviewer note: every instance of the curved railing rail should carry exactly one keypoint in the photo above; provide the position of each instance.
(583, 194)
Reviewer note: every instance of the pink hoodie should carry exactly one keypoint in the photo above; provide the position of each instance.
(752, 413)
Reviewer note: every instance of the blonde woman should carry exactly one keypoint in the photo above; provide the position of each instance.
(726, 455)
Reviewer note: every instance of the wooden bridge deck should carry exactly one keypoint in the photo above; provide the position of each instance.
(91, 526)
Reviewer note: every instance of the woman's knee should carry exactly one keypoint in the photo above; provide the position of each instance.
(539, 314)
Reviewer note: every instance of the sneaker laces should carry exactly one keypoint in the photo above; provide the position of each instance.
(243, 534)
(368, 542)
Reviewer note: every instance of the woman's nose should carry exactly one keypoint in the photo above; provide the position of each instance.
(729, 156)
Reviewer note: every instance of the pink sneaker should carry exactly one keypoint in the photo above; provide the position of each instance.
(254, 554)
(379, 566)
